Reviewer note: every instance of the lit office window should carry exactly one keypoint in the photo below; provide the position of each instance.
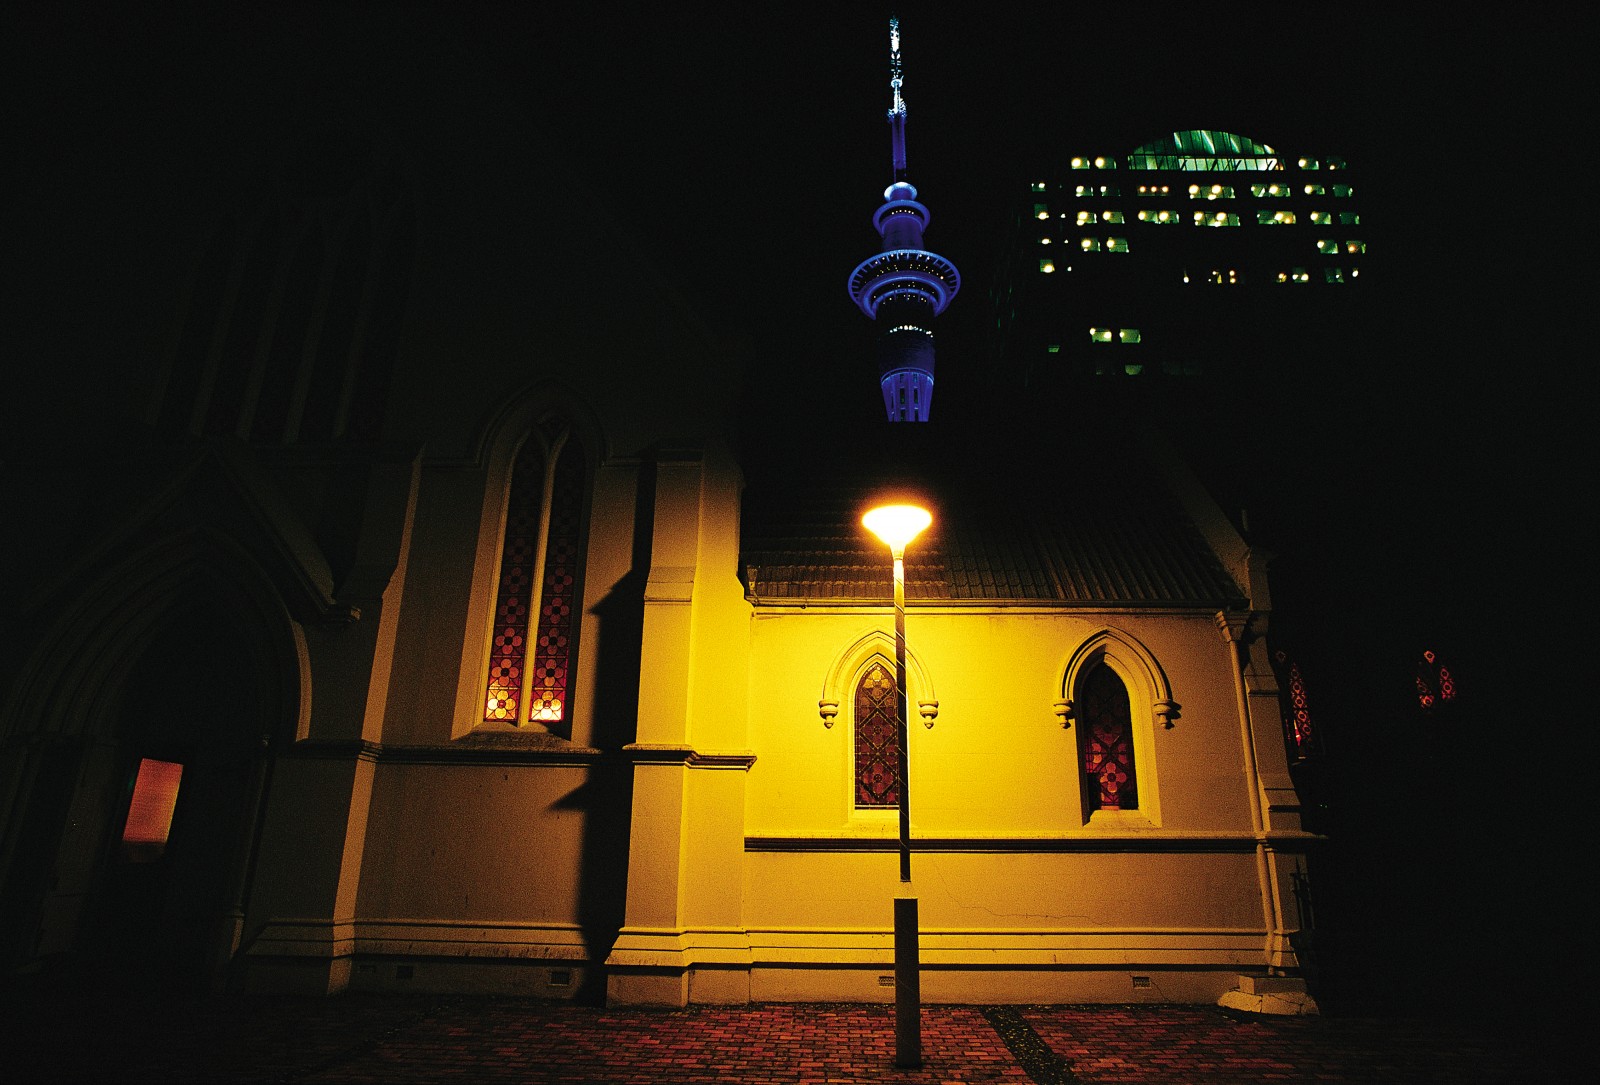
(1309, 164)
(1229, 277)
(1316, 190)
(1053, 348)
(1211, 192)
(1333, 275)
(1349, 218)
(1336, 164)
(1100, 335)
(1047, 266)
(1355, 246)
(1299, 275)
(1116, 244)
(1090, 244)
(1159, 217)
(1132, 369)
(1261, 191)
(1040, 211)
(1215, 218)
(1083, 190)
(1038, 186)
(1342, 191)
(1154, 190)
(1080, 163)
(1085, 218)
(1327, 248)
(1129, 335)
(1321, 218)
(1111, 216)
(1275, 218)
(1044, 241)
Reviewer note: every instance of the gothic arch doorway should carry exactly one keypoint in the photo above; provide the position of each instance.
(150, 754)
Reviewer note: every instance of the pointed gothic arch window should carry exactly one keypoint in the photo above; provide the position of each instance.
(1105, 740)
(534, 642)
(1117, 697)
(877, 737)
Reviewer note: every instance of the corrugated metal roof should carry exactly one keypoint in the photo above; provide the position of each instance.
(1078, 534)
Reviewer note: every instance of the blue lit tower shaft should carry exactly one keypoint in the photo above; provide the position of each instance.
(905, 286)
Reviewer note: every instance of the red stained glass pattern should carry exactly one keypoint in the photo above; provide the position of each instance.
(548, 692)
(1435, 685)
(877, 740)
(1111, 782)
(508, 651)
(1296, 706)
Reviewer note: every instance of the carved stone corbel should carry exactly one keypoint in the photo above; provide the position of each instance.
(1066, 712)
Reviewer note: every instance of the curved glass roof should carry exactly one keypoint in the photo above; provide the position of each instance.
(1204, 149)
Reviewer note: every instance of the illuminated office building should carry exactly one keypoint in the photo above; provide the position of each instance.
(1197, 254)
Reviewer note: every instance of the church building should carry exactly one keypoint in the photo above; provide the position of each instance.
(420, 614)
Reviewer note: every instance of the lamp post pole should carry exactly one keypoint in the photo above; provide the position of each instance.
(900, 713)
(907, 951)
(897, 525)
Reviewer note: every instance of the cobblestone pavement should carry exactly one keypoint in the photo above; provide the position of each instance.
(369, 1038)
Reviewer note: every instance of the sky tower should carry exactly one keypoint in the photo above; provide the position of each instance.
(905, 286)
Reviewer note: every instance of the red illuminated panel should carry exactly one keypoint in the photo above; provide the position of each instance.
(1108, 743)
(155, 796)
(877, 740)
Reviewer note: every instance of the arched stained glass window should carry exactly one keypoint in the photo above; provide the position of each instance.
(1106, 738)
(540, 578)
(877, 739)
(1298, 732)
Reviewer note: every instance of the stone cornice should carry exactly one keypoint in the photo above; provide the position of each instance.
(662, 753)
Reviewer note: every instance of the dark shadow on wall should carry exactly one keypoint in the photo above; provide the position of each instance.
(606, 800)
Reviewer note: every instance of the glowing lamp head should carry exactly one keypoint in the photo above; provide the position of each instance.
(897, 525)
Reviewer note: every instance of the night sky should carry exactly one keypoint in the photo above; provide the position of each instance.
(744, 151)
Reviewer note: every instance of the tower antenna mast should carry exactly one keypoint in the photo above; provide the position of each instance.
(897, 109)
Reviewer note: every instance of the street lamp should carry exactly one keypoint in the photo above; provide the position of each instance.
(897, 525)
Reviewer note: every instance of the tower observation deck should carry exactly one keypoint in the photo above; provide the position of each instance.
(904, 287)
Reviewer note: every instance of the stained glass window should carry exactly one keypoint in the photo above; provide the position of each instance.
(877, 739)
(536, 607)
(550, 686)
(508, 649)
(1435, 685)
(1110, 782)
(1297, 728)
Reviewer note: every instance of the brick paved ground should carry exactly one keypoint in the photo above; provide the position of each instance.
(444, 1039)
